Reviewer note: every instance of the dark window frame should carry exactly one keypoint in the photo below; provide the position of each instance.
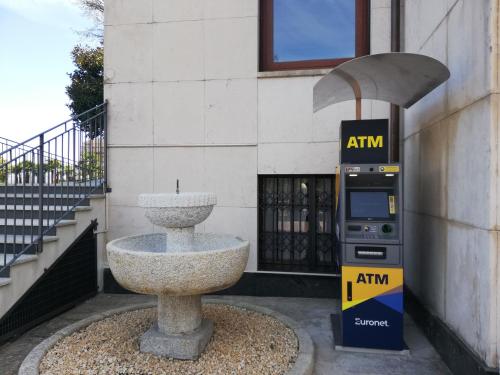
(267, 62)
(310, 264)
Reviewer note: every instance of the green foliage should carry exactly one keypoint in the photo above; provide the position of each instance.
(69, 173)
(86, 88)
(54, 169)
(3, 171)
(22, 171)
(90, 165)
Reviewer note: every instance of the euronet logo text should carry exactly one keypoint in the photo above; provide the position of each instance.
(372, 323)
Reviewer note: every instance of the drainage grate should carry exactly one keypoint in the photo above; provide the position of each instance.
(70, 280)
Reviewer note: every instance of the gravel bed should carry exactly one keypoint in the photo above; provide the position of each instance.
(244, 342)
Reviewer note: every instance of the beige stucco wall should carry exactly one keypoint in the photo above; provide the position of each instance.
(451, 171)
(186, 101)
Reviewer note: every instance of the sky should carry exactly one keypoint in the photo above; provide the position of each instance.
(36, 39)
(313, 29)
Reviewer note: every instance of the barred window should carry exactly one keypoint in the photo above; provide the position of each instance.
(296, 224)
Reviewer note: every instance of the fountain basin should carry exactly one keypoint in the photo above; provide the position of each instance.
(144, 265)
(177, 210)
(178, 266)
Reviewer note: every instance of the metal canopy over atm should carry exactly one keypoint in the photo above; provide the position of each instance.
(370, 204)
(398, 78)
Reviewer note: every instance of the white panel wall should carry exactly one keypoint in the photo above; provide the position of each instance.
(187, 102)
(451, 178)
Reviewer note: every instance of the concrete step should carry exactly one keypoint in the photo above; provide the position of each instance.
(34, 222)
(13, 244)
(48, 199)
(20, 260)
(30, 226)
(48, 211)
(23, 275)
(71, 188)
(20, 239)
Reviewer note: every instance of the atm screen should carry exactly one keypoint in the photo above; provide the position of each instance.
(369, 205)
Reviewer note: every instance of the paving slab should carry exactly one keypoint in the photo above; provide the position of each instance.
(313, 314)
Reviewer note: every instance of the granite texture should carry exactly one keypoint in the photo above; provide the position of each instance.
(177, 210)
(180, 346)
(178, 217)
(178, 266)
(180, 239)
(177, 200)
(216, 262)
(179, 315)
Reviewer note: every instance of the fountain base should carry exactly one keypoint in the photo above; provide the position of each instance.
(179, 346)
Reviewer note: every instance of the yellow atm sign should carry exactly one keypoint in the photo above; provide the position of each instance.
(365, 141)
(360, 284)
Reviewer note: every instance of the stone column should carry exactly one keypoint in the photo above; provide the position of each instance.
(180, 239)
(180, 332)
(177, 315)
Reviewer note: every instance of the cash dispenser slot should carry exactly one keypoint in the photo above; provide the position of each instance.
(354, 228)
(365, 252)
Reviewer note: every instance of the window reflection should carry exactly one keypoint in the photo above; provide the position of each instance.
(313, 29)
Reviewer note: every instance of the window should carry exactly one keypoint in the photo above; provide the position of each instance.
(296, 224)
(302, 34)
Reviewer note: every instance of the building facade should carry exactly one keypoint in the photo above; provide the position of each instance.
(197, 92)
(189, 100)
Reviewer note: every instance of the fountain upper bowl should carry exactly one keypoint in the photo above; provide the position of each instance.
(144, 265)
(171, 210)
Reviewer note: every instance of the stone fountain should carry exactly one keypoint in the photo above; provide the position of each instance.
(178, 266)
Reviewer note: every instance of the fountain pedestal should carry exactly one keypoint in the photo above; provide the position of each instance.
(178, 266)
(180, 332)
(177, 315)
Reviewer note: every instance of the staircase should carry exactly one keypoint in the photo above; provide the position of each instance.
(52, 188)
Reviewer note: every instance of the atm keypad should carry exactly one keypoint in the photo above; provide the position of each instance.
(371, 231)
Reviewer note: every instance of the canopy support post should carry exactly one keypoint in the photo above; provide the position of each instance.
(358, 108)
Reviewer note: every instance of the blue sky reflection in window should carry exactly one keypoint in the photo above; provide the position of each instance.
(314, 29)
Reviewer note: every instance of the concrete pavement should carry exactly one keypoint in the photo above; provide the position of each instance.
(314, 314)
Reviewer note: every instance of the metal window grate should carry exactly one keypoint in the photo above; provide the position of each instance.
(73, 278)
(297, 224)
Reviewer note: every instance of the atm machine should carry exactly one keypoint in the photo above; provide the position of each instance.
(369, 209)
(369, 220)
(371, 256)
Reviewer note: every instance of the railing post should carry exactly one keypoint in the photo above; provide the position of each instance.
(40, 194)
(105, 140)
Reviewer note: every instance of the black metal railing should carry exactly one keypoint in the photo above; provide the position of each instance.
(16, 149)
(43, 180)
(6, 144)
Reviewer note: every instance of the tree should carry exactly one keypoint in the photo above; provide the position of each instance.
(86, 88)
(90, 165)
(54, 168)
(95, 10)
(3, 170)
(69, 173)
(22, 171)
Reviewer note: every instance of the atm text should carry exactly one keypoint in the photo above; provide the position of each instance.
(372, 278)
(363, 141)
